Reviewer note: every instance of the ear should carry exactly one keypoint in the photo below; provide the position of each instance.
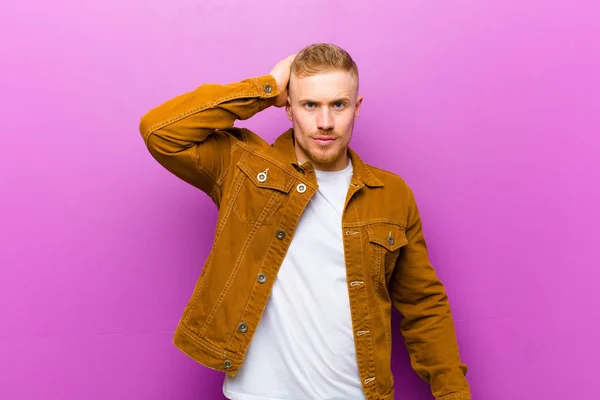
(357, 107)
(288, 108)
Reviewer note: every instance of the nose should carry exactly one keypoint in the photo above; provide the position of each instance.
(325, 119)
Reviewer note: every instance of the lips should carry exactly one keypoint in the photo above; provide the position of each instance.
(324, 139)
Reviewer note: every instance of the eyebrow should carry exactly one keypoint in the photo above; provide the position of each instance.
(338, 100)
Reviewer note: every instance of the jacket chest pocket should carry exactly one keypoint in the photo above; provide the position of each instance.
(386, 240)
(261, 188)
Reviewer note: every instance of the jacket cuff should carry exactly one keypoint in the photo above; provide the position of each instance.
(267, 89)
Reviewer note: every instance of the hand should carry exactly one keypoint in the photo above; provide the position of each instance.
(281, 73)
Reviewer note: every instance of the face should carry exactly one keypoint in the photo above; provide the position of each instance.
(323, 108)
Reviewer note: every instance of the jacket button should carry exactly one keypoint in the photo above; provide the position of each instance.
(280, 234)
(227, 364)
(390, 240)
(262, 278)
(301, 188)
(243, 327)
(268, 88)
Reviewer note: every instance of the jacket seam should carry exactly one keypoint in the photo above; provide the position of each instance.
(271, 204)
(208, 174)
(234, 271)
(366, 324)
(197, 109)
(206, 344)
(456, 396)
(389, 396)
(409, 197)
(360, 224)
(219, 230)
(225, 218)
(381, 311)
(221, 178)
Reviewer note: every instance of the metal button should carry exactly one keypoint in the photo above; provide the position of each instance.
(262, 278)
(280, 234)
(261, 177)
(227, 364)
(243, 327)
(390, 240)
(268, 88)
(301, 188)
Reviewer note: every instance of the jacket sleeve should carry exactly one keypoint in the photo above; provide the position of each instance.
(191, 135)
(427, 325)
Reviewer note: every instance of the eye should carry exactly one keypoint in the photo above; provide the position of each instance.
(338, 105)
(309, 105)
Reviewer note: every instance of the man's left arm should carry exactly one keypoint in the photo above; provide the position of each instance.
(427, 325)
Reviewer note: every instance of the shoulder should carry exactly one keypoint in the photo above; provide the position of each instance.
(390, 179)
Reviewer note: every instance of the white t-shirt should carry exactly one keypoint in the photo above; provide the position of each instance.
(303, 347)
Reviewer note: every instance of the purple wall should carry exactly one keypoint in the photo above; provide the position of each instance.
(489, 109)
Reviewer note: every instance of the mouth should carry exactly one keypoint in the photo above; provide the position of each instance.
(324, 140)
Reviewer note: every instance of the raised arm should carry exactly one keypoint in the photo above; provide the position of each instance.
(192, 134)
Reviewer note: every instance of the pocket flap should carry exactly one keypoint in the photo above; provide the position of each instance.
(265, 174)
(390, 236)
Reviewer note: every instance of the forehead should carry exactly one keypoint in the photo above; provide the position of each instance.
(324, 85)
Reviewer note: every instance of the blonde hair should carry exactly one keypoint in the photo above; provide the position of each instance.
(321, 57)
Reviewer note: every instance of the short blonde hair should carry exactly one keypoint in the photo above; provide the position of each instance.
(321, 57)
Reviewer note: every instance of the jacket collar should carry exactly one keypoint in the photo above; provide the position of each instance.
(284, 144)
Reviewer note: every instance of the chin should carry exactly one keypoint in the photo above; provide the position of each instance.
(325, 159)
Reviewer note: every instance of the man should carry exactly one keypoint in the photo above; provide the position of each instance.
(293, 300)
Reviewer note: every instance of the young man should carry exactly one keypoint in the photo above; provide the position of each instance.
(293, 300)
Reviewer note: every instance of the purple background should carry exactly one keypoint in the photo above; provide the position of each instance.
(489, 109)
